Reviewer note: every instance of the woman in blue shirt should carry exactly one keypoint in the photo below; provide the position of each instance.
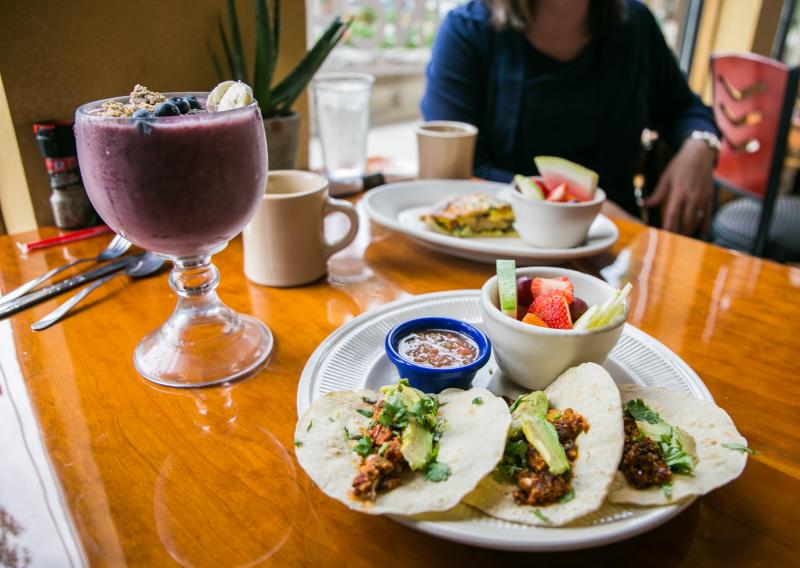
(578, 79)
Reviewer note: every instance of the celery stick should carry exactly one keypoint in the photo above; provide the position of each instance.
(583, 321)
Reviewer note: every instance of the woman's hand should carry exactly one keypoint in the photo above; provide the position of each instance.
(686, 184)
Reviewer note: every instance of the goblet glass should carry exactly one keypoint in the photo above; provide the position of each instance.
(182, 187)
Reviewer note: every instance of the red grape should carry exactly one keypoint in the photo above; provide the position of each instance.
(524, 294)
(521, 311)
(577, 308)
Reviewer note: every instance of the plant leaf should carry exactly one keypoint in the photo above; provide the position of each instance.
(215, 62)
(226, 47)
(264, 67)
(287, 91)
(276, 33)
(240, 70)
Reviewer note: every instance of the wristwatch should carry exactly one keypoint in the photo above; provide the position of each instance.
(711, 140)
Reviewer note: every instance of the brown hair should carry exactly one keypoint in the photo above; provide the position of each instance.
(604, 15)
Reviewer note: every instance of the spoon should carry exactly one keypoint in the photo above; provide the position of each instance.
(145, 266)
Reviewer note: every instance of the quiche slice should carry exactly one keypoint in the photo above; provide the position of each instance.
(473, 215)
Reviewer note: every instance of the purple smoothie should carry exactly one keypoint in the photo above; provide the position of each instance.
(181, 185)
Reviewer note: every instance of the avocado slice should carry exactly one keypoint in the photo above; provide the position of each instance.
(655, 432)
(543, 436)
(417, 445)
(678, 446)
(687, 443)
(405, 394)
(532, 404)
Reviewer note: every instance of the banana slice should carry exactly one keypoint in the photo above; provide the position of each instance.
(216, 94)
(231, 96)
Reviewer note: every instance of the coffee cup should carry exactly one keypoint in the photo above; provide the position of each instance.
(446, 149)
(284, 243)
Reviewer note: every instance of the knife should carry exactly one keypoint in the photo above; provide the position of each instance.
(19, 304)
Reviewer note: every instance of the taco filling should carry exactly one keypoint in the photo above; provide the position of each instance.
(402, 436)
(540, 450)
(654, 450)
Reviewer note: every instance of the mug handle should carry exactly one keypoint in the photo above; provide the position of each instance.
(340, 206)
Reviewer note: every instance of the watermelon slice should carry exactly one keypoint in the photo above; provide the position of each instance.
(558, 194)
(581, 182)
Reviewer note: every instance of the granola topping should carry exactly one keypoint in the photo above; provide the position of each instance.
(141, 98)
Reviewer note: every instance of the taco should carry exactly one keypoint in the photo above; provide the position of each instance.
(401, 451)
(676, 447)
(561, 453)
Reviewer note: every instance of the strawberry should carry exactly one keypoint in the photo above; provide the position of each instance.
(533, 319)
(553, 310)
(541, 286)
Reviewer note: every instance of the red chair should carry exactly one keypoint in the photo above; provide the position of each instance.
(754, 97)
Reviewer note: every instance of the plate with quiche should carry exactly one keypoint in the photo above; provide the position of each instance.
(471, 220)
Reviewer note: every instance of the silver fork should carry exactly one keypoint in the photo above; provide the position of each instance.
(116, 248)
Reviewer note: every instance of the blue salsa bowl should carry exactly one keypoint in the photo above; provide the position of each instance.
(430, 379)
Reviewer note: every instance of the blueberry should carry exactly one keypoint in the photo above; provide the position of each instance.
(194, 104)
(167, 109)
(182, 104)
(143, 113)
(143, 119)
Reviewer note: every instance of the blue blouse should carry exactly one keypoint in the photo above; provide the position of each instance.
(591, 110)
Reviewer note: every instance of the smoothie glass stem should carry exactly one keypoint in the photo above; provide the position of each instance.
(203, 342)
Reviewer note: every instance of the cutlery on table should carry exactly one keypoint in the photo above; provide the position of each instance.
(116, 248)
(31, 298)
(144, 266)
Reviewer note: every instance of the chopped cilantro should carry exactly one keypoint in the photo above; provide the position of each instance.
(437, 471)
(368, 400)
(347, 434)
(330, 419)
(675, 456)
(383, 447)
(298, 443)
(740, 448)
(640, 411)
(491, 370)
(424, 411)
(394, 414)
(364, 446)
(515, 458)
(310, 424)
(541, 516)
(567, 497)
(477, 400)
(667, 489)
(364, 412)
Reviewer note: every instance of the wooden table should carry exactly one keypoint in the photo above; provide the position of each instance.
(152, 476)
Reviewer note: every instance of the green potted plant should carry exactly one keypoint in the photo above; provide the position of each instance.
(282, 124)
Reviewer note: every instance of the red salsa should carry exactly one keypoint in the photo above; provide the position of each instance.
(437, 348)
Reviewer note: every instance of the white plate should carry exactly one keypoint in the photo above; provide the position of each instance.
(353, 358)
(399, 205)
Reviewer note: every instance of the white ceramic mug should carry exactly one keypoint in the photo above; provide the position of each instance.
(284, 243)
(446, 149)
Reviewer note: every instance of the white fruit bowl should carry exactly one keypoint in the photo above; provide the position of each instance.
(553, 224)
(532, 356)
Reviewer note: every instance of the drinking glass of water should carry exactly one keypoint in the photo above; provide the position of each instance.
(341, 106)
